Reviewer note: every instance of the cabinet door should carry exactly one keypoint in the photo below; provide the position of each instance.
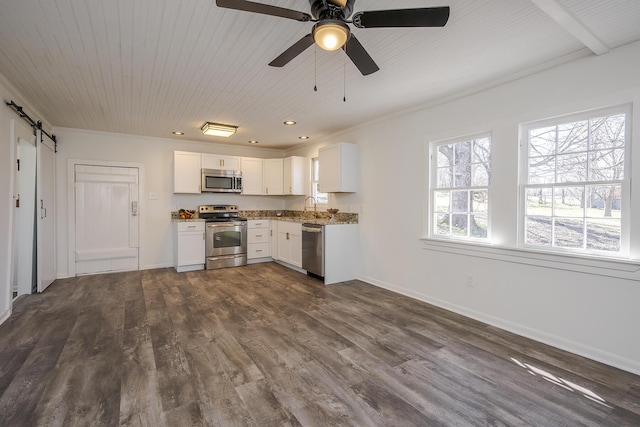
(274, 239)
(186, 172)
(191, 248)
(294, 170)
(329, 159)
(338, 168)
(215, 161)
(284, 245)
(273, 177)
(251, 175)
(296, 245)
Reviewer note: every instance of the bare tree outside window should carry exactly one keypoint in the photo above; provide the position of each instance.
(573, 191)
(460, 194)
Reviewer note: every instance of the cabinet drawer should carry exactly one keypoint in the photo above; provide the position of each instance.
(258, 250)
(191, 226)
(258, 223)
(259, 235)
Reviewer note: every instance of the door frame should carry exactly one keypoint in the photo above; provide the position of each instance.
(71, 206)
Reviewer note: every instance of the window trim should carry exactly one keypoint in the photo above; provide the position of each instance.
(523, 163)
(314, 193)
(619, 268)
(432, 187)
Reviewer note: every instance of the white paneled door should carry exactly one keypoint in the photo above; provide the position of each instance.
(45, 211)
(106, 228)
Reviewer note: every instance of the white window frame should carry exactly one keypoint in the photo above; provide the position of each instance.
(433, 187)
(314, 183)
(625, 182)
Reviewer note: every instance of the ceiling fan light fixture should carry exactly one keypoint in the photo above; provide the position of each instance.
(217, 129)
(330, 34)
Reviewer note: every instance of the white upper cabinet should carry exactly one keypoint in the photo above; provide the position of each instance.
(294, 169)
(215, 161)
(251, 175)
(338, 168)
(186, 172)
(273, 177)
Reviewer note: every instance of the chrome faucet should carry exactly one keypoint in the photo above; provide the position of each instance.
(315, 207)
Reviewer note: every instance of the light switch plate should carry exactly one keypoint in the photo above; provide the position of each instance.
(153, 196)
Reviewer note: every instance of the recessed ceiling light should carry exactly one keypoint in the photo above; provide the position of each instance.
(178, 133)
(303, 137)
(289, 123)
(253, 142)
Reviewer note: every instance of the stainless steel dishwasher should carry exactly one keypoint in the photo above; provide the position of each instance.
(313, 249)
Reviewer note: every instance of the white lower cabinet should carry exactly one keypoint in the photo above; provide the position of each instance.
(290, 243)
(340, 252)
(188, 246)
(258, 240)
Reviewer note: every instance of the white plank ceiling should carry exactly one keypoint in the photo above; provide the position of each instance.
(150, 67)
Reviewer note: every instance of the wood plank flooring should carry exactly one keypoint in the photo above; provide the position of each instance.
(263, 345)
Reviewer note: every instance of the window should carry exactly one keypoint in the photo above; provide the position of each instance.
(461, 174)
(321, 198)
(576, 187)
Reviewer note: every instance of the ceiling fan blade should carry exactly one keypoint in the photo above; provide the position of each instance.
(296, 49)
(359, 56)
(264, 9)
(422, 17)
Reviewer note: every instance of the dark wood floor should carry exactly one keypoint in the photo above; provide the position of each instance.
(264, 345)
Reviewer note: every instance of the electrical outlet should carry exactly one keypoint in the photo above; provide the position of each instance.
(471, 281)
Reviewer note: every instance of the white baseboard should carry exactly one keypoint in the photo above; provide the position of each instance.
(260, 260)
(580, 349)
(4, 316)
(154, 266)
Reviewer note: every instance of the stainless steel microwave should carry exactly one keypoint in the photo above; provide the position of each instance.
(221, 181)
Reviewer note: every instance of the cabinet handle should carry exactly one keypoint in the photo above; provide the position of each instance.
(258, 235)
(258, 223)
(271, 233)
(191, 226)
(289, 189)
(266, 190)
(258, 250)
(287, 236)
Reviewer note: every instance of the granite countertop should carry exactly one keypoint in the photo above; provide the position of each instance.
(322, 221)
(291, 216)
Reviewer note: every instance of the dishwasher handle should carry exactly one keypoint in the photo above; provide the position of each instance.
(312, 228)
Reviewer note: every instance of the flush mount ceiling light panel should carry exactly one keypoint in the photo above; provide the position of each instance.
(331, 31)
(217, 129)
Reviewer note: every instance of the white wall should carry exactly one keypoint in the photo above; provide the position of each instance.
(156, 157)
(596, 316)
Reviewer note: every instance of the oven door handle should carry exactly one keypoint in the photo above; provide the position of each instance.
(226, 224)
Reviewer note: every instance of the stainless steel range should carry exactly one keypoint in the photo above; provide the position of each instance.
(226, 236)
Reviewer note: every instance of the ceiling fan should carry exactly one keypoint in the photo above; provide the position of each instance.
(331, 31)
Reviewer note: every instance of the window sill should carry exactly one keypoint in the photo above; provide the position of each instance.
(617, 268)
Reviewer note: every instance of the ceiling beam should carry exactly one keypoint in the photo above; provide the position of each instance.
(567, 21)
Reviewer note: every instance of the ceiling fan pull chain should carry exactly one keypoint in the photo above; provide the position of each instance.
(315, 69)
(344, 81)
